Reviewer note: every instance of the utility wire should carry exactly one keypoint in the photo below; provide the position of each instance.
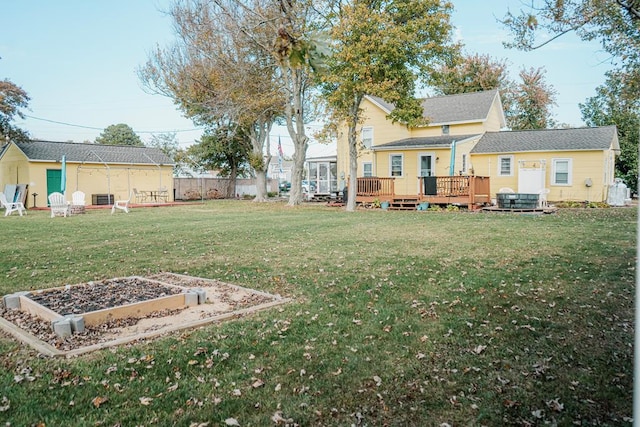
(102, 129)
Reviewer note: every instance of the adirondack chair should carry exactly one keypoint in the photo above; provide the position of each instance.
(77, 203)
(121, 204)
(11, 206)
(77, 198)
(58, 205)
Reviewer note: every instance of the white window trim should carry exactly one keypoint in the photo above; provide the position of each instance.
(401, 165)
(363, 170)
(511, 158)
(554, 162)
(367, 128)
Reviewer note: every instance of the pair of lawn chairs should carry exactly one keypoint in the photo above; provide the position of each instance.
(11, 207)
(60, 207)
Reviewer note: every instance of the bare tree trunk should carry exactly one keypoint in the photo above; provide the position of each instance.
(231, 185)
(294, 113)
(259, 135)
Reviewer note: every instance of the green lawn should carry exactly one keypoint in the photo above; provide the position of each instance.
(399, 318)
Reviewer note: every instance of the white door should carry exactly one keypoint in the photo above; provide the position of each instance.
(426, 166)
(531, 176)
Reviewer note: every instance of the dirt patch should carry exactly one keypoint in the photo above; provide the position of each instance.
(223, 301)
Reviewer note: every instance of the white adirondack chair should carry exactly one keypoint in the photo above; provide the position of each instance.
(11, 206)
(58, 205)
(77, 198)
(121, 204)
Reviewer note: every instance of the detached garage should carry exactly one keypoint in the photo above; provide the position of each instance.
(103, 172)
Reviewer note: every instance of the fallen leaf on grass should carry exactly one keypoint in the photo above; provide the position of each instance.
(479, 349)
(231, 422)
(6, 404)
(145, 400)
(555, 405)
(257, 383)
(278, 419)
(99, 400)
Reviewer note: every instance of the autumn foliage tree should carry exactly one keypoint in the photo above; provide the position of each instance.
(527, 102)
(220, 76)
(614, 23)
(12, 100)
(382, 48)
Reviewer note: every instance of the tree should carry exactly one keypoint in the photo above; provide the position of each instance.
(527, 103)
(615, 23)
(224, 148)
(169, 145)
(220, 76)
(381, 48)
(610, 107)
(472, 73)
(120, 134)
(12, 99)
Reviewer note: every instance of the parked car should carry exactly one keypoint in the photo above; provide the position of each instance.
(308, 187)
(284, 186)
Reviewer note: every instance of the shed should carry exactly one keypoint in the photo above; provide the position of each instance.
(102, 172)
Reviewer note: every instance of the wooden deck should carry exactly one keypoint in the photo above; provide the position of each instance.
(472, 191)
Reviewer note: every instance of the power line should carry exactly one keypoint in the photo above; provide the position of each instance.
(102, 129)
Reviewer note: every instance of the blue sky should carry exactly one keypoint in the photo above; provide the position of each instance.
(77, 60)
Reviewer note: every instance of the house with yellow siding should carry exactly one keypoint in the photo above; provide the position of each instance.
(456, 156)
(103, 172)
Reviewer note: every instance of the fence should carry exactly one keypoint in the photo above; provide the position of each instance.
(207, 188)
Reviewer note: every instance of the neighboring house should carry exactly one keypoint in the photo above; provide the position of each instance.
(460, 140)
(97, 170)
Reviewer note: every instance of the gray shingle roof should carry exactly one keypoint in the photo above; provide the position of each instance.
(92, 153)
(595, 138)
(443, 141)
(447, 109)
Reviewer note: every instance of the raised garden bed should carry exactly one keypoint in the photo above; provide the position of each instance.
(128, 309)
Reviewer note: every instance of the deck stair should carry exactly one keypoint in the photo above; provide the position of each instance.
(404, 204)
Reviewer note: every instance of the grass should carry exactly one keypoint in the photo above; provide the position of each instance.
(399, 319)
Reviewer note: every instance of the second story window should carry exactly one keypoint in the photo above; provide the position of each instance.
(367, 137)
(445, 129)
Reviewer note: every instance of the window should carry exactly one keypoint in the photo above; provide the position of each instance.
(561, 174)
(464, 163)
(367, 169)
(445, 129)
(367, 137)
(505, 165)
(395, 160)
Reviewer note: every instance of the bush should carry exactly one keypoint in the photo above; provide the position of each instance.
(192, 195)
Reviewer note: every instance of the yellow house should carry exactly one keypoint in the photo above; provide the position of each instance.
(103, 172)
(571, 164)
(455, 157)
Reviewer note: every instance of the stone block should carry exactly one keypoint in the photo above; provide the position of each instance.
(190, 298)
(77, 323)
(13, 300)
(62, 328)
(202, 295)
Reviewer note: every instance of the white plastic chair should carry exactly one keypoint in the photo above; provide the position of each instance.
(77, 198)
(11, 206)
(58, 205)
(122, 205)
(542, 197)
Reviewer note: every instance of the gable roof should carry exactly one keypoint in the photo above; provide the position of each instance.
(49, 151)
(443, 141)
(451, 109)
(587, 138)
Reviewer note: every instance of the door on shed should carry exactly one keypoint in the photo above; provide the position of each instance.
(54, 182)
(531, 176)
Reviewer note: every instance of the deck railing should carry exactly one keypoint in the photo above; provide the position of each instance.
(375, 187)
(454, 186)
